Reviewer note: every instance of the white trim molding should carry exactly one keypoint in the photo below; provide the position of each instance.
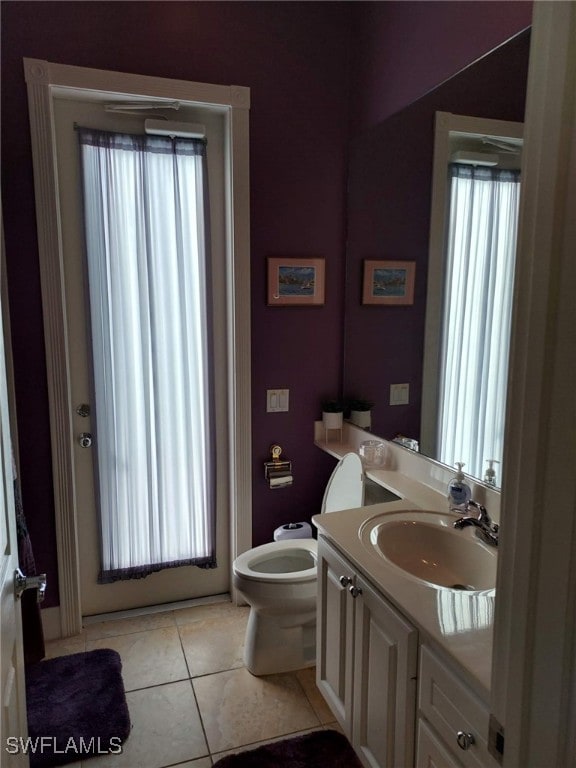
(534, 662)
(44, 80)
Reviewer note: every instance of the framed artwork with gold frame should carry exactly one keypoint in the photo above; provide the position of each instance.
(388, 282)
(294, 282)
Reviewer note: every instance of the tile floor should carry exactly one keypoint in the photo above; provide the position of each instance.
(191, 699)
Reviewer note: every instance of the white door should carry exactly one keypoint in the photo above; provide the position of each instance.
(175, 583)
(13, 721)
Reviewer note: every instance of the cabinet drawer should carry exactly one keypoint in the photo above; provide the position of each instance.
(431, 752)
(450, 707)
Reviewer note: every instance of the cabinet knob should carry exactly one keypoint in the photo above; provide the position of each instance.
(465, 740)
(345, 580)
(354, 591)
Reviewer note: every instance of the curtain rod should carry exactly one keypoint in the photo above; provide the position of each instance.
(136, 106)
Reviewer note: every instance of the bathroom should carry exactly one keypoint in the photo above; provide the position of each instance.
(295, 39)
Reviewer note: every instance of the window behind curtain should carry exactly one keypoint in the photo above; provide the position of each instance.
(477, 315)
(147, 244)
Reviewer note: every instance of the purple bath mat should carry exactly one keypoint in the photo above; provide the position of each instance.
(76, 708)
(319, 749)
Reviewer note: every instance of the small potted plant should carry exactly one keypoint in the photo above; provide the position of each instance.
(360, 412)
(332, 414)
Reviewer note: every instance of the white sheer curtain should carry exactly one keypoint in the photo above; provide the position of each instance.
(477, 315)
(145, 208)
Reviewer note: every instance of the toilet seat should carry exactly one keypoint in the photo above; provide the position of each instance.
(295, 560)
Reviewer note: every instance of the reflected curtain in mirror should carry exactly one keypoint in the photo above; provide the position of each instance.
(145, 208)
(478, 290)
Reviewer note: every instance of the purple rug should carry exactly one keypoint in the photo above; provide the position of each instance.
(76, 708)
(319, 749)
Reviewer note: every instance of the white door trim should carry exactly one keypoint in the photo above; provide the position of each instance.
(43, 80)
(534, 668)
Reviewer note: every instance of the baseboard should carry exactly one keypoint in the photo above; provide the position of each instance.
(161, 608)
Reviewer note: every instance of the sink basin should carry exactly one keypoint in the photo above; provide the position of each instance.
(425, 546)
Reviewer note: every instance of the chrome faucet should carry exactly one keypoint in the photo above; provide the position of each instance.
(485, 528)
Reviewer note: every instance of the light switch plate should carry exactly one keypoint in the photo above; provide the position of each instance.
(399, 394)
(277, 400)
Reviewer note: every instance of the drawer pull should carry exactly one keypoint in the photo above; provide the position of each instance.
(354, 591)
(465, 740)
(345, 580)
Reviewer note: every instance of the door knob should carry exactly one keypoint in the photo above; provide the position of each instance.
(22, 583)
(464, 740)
(345, 580)
(355, 591)
(85, 439)
(83, 410)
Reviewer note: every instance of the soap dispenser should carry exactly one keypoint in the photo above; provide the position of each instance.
(459, 492)
(490, 474)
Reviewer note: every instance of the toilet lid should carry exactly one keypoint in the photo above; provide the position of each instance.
(292, 561)
(345, 488)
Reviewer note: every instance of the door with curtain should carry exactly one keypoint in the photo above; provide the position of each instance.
(144, 308)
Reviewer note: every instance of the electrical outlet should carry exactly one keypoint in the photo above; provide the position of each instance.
(399, 394)
(277, 400)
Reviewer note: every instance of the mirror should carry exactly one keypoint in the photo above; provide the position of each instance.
(389, 204)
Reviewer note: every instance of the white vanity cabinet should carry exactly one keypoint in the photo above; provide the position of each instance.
(401, 704)
(367, 663)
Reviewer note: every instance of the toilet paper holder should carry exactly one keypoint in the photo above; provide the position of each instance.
(278, 472)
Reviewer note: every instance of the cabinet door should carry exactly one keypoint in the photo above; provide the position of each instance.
(385, 668)
(335, 636)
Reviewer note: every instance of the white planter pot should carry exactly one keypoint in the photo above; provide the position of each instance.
(361, 418)
(332, 420)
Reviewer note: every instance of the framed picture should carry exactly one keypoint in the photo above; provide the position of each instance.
(295, 282)
(388, 282)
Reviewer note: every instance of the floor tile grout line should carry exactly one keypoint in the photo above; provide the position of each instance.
(171, 682)
(305, 692)
(254, 744)
(186, 762)
(191, 679)
(158, 685)
(209, 748)
(127, 634)
(184, 653)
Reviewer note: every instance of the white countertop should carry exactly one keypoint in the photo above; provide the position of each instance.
(460, 623)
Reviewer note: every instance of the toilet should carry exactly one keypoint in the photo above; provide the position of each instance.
(278, 581)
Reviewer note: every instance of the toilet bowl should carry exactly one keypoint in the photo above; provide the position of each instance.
(278, 580)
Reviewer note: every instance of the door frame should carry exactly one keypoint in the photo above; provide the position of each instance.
(44, 80)
(533, 691)
(13, 690)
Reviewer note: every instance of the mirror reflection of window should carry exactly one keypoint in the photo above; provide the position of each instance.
(478, 287)
(469, 292)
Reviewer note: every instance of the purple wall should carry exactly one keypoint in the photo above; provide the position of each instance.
(402, 49)
(295, 57)
(389, 218)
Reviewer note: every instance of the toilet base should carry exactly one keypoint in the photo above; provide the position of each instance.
(279, 643)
